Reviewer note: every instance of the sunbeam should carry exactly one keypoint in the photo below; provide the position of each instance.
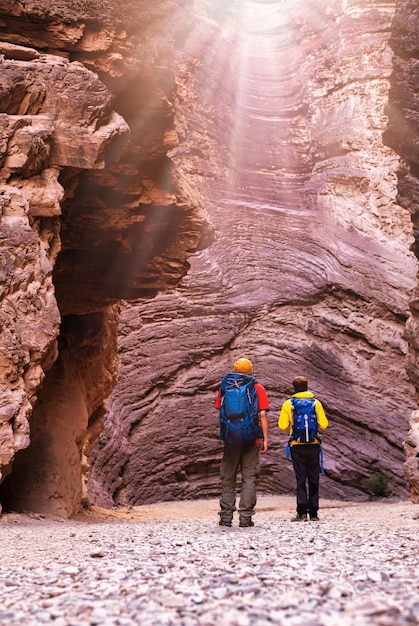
(252, 67)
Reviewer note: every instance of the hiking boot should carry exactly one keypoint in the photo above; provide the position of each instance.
(246, 523)
(300, 517)
(224, 523)
(314, 518)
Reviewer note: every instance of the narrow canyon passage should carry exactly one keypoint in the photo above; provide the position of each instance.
(309, 273)
(185, 183)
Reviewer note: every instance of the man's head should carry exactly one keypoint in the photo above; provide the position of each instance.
(300, 383)
(243, 366)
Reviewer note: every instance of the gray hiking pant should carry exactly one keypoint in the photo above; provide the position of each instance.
(235, 457)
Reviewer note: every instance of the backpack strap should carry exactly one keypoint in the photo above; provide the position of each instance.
(321, 462)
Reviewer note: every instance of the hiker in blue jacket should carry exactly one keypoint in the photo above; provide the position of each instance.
(303, 415)
(244, 433)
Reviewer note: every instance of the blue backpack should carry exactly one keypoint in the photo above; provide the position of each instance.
(239, 415)
(304, 429)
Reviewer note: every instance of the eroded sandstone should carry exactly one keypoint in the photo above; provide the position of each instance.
(93, 210)
(112, 120)
(310, 271)
(402, 136)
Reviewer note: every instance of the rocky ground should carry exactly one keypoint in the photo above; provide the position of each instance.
(171, 563)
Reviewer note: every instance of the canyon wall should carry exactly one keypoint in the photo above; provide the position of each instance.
(311, 269)
(92, 210)
(402, 135)
(219, 168)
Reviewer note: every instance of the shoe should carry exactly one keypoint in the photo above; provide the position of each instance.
(314, 518)
(300, 517)
(223, 523)
(246, 523)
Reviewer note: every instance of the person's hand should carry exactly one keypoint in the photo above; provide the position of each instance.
(263, 446)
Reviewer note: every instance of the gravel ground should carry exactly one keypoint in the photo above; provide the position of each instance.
(171, 563)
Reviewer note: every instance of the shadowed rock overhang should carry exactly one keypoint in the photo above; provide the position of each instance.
(92, 210)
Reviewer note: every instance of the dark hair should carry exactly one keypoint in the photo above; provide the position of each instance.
(300, 383)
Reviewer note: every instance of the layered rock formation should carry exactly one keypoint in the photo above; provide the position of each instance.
(402, 135)
(92, 211)
(119, 123)
(310, 271)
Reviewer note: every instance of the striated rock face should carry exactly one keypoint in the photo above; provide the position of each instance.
(310, 272)
(92, 211)
(118, 124)
(402, 135)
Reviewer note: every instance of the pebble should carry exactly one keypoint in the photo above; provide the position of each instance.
(356, 567)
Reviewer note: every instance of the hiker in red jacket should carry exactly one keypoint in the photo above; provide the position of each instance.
(245, 435)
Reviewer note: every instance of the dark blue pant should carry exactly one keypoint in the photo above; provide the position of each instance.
(306, 462)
